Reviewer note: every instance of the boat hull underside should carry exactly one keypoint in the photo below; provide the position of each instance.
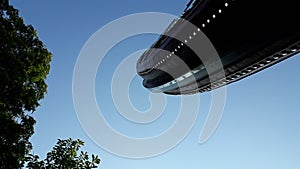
(249, 35)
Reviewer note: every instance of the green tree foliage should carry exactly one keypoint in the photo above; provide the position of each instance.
(24, 65)
(65, 155)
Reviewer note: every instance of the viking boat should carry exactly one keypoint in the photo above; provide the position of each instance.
(248, 36)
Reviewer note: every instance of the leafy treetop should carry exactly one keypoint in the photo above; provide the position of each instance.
(24, 65)
(65, 155)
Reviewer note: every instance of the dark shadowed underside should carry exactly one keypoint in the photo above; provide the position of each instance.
(249, 35)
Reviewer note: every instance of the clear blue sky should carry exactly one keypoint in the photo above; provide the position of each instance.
(260, 126)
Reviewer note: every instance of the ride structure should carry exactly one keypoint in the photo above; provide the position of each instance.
(248, 35)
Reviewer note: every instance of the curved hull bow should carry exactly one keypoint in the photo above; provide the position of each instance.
(249, 35)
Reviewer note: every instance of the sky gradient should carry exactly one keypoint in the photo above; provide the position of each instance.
(260, 125)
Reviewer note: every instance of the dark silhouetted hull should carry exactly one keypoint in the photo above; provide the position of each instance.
(249, 35)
